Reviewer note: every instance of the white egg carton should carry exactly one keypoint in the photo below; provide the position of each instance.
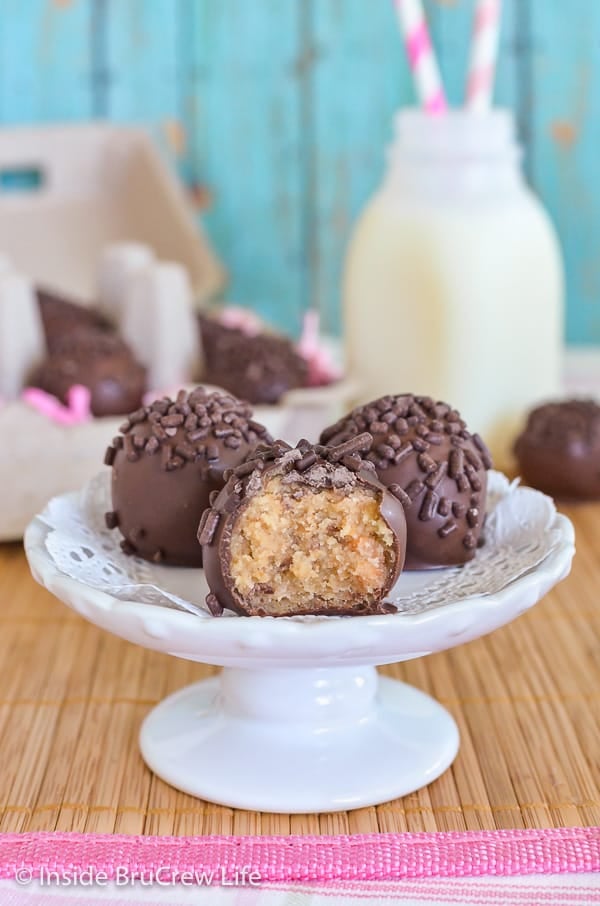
(77, 189)
(103, 218)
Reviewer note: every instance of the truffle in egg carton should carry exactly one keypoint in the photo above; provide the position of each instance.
(69, 374)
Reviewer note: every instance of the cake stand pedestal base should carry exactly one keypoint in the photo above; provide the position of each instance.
(299, 740)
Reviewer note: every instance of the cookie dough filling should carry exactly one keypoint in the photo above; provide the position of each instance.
(291, 540)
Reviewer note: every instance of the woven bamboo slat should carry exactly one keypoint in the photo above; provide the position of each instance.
(526, 698)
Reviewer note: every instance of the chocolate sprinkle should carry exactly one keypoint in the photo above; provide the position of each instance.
(414, 489)
(428, 507)
(214, 605)
(400, 495)
(447, 529)
(360, 444)
(470, 541)
(455, 463)
(208, 526)
(473, 516)
(111, 519)
(444, 506)
(308, 460)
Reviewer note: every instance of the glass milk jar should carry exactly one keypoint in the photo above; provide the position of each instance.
(453, 283)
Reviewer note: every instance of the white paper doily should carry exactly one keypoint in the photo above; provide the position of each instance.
(520, 533)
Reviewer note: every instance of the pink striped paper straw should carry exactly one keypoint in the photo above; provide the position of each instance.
(421, 55)
(484, 53)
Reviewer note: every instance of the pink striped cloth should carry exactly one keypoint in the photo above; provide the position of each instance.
(542, 867)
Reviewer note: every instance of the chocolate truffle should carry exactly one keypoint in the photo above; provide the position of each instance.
(424, 454)
(259, 369)
(559, 450)
(308, 530)
(60, 316)
(168, 459)
(98, 360)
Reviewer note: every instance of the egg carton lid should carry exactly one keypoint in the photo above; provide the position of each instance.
(67, 192)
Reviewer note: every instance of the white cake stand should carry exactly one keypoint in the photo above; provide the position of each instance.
(299, 720)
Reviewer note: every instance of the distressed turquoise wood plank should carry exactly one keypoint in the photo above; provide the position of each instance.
(245, 67)
(512, 48)
(45, 61)
(359, 81)
(450, 27)
(142, 69)
(565, 139)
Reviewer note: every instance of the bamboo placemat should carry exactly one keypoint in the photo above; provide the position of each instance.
(526, 699)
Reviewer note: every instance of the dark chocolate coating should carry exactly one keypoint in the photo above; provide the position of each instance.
(259, 369)
(343, 468)
(61, 316)
(98, 360)
(559, 450)
(424, 454)
(166, 462)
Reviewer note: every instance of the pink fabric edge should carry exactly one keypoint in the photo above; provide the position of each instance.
(360, 857)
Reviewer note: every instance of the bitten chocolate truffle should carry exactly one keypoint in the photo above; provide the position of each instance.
(100, 361)
(166, 463)
(425, 455)
(559, 450)
(259, 369)
(308, 530)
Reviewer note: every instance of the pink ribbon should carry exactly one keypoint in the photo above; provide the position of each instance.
(239, 318)
(76, 412)
(321, 368)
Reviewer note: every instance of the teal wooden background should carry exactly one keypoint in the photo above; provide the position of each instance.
(277, 114)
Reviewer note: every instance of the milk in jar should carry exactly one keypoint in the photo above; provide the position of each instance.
(453, 281)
